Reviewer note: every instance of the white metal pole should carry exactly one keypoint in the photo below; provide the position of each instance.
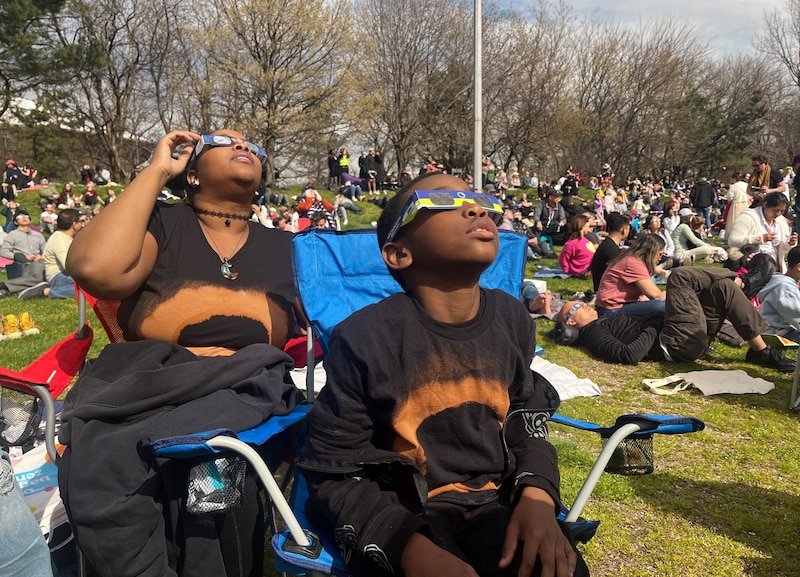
(477, 172)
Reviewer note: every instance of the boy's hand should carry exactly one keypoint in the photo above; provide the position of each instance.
(423, 558)
(534, 523)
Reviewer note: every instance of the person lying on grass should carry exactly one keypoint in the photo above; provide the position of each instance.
(698, 301)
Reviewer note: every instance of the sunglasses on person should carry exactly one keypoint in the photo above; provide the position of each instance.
(444, 200)
(212, 140)
(573, 309)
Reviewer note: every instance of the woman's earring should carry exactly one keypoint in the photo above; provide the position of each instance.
(196, 182)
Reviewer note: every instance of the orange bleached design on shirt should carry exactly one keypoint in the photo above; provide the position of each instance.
(248, 303)
(433, 398)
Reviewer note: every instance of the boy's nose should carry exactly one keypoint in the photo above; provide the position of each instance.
(474, 210)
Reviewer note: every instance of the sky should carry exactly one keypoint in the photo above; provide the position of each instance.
(731, 25)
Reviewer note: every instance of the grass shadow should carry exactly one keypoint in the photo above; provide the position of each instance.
(762, 519)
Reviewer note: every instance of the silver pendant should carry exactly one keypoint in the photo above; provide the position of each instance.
(227, 271)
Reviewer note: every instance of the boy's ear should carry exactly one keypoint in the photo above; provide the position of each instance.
(396, 256)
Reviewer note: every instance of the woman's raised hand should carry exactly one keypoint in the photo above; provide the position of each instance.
(162, 155)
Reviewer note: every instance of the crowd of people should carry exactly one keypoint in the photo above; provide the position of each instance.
(204, 276)
(644, 270)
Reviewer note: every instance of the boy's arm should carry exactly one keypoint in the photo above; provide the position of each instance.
(537, 497)
(533, 400)
(533, 524)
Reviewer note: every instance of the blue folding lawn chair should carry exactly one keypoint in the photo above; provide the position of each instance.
(338, 273)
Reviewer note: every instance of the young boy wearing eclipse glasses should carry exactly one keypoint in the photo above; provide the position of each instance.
(429, 452)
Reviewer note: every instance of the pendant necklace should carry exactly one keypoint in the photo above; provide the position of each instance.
(226, 268)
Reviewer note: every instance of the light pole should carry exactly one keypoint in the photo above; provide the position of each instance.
(477, 156)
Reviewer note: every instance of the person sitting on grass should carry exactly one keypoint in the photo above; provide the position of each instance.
(576, 256)
(69, 223)
(780, 300)
(24, 246)
(627, 286)
(698, 301)
(689, 247)
(433, 458)
(618, 226)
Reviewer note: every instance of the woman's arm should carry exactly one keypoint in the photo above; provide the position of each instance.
(650, 289)
(744, 231)
(789, 239)
(114, 253)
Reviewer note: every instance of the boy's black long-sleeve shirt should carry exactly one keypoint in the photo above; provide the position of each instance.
(415, 409)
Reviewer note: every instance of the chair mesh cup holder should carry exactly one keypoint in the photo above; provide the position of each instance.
(216, 486)
(633, 456)
(19, 419)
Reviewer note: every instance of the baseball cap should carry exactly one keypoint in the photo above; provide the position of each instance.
(686, 212)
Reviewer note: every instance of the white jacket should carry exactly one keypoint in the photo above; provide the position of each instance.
(747, 230)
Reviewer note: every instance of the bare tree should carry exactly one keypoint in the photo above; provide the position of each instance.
(405, 67)
(628, 81)
(112, 42)
(273, 69)
(780, 38)
(529, 99)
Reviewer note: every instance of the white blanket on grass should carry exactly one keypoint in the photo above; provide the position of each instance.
(565, 381)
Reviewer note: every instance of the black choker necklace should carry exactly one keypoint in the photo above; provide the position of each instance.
(225, 215)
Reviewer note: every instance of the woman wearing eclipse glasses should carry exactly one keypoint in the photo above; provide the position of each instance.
(203, 287)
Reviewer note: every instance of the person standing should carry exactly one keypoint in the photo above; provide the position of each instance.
(362, 165)
(736, 199)
(765, 180)
(333, 169)
(371, 165)
(702, 197)
(344, 161)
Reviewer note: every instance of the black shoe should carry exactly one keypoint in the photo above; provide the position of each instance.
(4, 292)
(771, 358)
(755, 279)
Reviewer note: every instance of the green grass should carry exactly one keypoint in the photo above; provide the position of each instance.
(722, 503)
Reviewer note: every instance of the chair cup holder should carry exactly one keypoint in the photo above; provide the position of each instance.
(633, 456)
